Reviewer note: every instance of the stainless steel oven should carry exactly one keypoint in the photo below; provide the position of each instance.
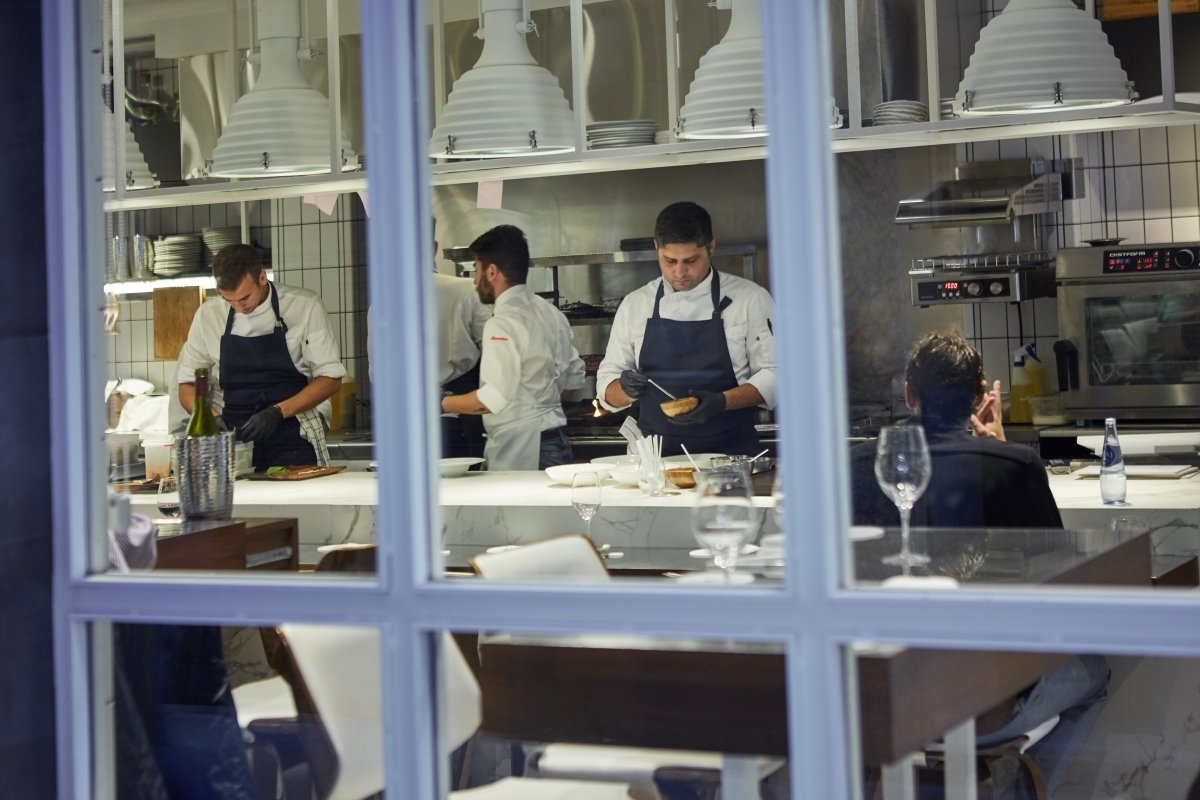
(1129, 326)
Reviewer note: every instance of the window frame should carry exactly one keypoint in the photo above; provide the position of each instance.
(812, 616)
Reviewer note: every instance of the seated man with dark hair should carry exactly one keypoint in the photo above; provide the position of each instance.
(979, 480)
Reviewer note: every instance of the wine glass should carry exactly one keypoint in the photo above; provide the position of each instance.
(168, 496)
(903, 467)
(724, 518)
(585, 496)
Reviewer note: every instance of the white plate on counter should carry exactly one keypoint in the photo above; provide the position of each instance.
(703, 460)
(457, 467)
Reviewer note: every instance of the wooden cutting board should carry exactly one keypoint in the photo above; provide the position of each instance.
(174, 308)
(296, 473)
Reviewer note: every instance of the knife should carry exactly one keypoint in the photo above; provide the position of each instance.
(654, 383)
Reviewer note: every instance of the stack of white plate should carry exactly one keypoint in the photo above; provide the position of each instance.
(215, 239)
(946, 107)
(177, 255)
(621, 133)
(898, 112)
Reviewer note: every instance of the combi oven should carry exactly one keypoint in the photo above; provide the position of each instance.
(1129, 326)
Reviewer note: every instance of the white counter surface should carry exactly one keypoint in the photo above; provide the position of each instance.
(488, 508)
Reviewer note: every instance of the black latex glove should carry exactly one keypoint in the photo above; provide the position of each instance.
(221, 426)
(711, 404)
(261, 425)
(633, 383)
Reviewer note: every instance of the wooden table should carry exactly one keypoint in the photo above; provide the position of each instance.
(254, 543)
(652, 694)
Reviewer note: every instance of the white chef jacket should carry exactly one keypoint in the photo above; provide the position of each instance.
(529, 359)
(310, 340)
(459, 327)
(747, 322)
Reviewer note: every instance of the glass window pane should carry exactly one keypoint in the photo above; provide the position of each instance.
(1081, 725)
(238, 712)
(634, 714)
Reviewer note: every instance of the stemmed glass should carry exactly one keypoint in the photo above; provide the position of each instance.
(168, 496)
(903, 467)
(585, 496)
(724, 518)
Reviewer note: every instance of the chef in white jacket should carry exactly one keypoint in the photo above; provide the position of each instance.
(528, 362)
(460, 320)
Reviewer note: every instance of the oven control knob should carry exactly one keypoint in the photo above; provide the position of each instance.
(995, 288)
(1183, 257)
(974, 289)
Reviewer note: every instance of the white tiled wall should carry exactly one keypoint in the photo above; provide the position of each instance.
(1141, 185)
(326, 254)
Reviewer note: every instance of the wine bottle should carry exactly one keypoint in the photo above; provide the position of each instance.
(202, 422)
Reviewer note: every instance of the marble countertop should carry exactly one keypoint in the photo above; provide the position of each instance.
(1075, 492)
(529, 488)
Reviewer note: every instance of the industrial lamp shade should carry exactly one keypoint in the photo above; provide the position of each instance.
(1042, 55)
(137, 172)
(726, 97)
(281, 126)
(507, 104)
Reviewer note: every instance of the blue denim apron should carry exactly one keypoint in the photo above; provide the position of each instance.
(686, 356)
(256, 372)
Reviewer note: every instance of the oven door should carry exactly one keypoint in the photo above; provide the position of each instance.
(1138, 345)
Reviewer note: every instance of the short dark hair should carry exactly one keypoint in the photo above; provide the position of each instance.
(233, 263)
(504, 246)
(945, 375)
(683, 223)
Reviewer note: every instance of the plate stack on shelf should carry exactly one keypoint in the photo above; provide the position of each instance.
(217, 238)
(622, 133)
(177, 255)
(946, 108)
(899, 112)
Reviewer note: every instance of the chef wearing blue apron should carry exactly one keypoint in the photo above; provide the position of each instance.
(257, 373)
(696, 333)
(274, 356)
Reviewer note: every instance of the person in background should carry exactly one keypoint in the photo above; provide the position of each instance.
(979, 480)
(528, 363)
(460, 320)
(272, 358)
(698, 333)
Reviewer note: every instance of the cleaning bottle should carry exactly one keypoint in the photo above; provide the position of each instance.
(1026, 380)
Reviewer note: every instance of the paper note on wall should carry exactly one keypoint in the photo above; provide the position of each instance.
(325, 202)
(490, 194)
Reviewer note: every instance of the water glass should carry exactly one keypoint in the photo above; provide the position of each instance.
(168, 496)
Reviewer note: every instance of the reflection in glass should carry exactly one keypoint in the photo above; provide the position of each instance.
(1039, 722)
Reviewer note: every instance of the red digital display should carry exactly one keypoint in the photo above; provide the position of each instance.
(950, 286)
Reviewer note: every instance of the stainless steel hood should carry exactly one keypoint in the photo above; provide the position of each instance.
(993, 192)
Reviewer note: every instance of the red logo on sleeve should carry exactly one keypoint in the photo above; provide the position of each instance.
(499, 338)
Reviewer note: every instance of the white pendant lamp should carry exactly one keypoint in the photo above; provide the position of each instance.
(507, 104)
(726, 97)
(1042, 55)
(137, 171)
(281, 126)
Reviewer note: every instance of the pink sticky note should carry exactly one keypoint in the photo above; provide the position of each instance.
(325, 202)
(362, 195)
(490, 194)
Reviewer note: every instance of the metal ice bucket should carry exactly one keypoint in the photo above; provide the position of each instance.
(206, 472)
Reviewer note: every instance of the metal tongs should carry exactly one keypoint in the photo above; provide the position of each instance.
(656, 385)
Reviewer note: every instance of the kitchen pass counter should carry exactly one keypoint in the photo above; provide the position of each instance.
(491, 508)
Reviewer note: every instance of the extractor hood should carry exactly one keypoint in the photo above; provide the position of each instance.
(993, 192)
